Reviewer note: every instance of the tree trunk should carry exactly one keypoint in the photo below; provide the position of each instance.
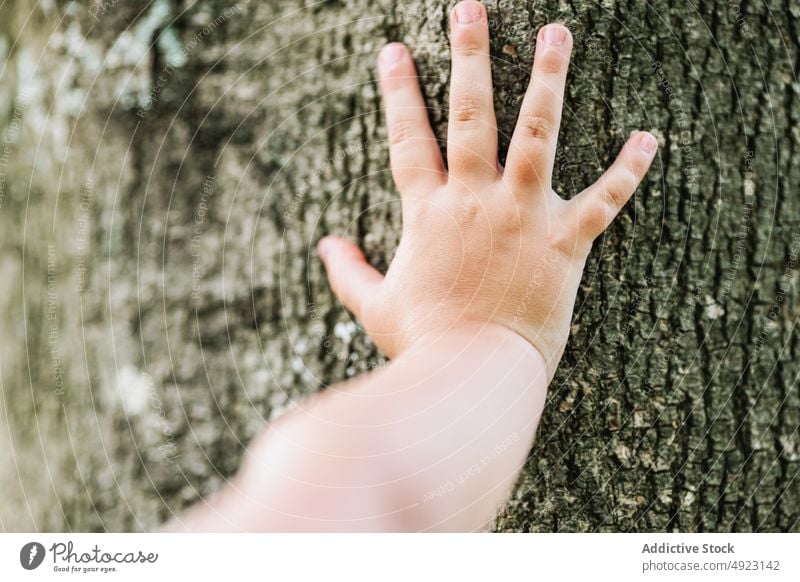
(168, 166)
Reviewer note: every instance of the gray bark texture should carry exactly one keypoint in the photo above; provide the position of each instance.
(168, 166)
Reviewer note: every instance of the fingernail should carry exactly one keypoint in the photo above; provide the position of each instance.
(554, 34)
(391, 53)
(468, 12)
(647, 142)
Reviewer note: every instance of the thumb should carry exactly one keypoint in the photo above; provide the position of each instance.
(352, 279)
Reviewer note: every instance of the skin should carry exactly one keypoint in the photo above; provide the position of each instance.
(474, 311)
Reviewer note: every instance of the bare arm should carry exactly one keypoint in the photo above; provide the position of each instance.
(432, 442)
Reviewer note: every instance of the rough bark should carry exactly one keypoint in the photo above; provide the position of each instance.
(169, 165)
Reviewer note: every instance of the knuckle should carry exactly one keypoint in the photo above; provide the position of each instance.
(509, 220)
(467, 111)
(613, 197)
(617, 192)
(565, 242)
(595, 219)
(552, 62)
(468, 44)
(525, 163)
(400, 131)
(536, 126)
(638, 169)
(467, 212)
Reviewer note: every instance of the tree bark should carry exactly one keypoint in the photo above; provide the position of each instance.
(168, 166)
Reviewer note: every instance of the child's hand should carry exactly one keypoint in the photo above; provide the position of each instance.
(481, 243)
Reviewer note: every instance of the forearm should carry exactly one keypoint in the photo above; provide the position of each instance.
(434, 441)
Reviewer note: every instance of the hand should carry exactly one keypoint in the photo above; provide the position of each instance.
(481, 243)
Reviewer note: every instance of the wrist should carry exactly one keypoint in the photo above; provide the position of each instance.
(488, 333)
